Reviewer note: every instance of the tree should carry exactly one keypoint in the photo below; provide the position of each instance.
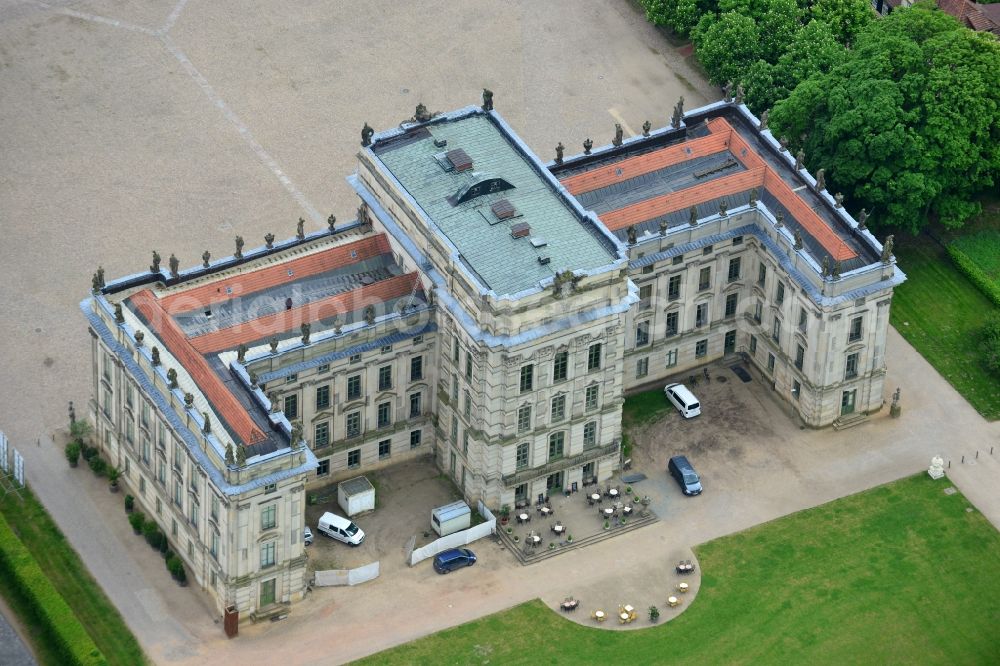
(681, 16)
(908, 123)
(845, 17)
(727, 45)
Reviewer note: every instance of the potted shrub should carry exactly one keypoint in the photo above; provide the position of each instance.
(79, 431)
(628, 490)
(516, 538)
(129, 503)
(88, 452)
(137, 521)
(113, 475)
(607, 524)
(510, 530)
(654, 613)
(152, 534)
(552, 545)
(164, 544)
(622, 523)
(97, 465)
(504, 514)
(569, 538)
(73, 453)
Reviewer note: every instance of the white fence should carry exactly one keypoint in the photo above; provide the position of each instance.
(333, 577)
(462, 538)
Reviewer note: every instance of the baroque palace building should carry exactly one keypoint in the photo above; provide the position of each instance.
(486, 308)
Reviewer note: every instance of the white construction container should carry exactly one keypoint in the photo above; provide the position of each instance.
(356, 495)
(451, 518)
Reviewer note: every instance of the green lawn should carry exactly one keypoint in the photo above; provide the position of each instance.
(900, 574)
(59, 561)
(983, 247)
(941, 313)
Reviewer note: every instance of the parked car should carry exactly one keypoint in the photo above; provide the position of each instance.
(684, 473)
(341, 529)
(307, 536)
(683, 400)
(456, 558)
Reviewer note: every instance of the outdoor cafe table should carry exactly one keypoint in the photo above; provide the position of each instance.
(682, 587)
(613, 492)
(608, 511)
(535, 539)
(673, 601)
(624, 617)
(627, 510)
(558, 529)
(523, 517)
(628, 608)
(596, 497)
(546, 510)
(599, 615)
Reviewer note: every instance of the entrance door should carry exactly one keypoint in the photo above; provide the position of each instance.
(554, 481)
(521, 493)
(267, 593)
(588, 473)
(730, 346)
(847, 401)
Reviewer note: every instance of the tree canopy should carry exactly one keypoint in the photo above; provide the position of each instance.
(908, 122)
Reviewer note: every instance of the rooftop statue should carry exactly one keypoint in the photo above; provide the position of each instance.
(487, 99)
(821, 180)
(646, 126)
(800, 160)
(306, 329)
(331, 223)
(838, 199)
(783, 144)
(119, 315)
(727, 92)
(631, 234)
(693, 216)
(366, 136)
(156, 355)
(155, 267)
(559, 152)
(863, 219)
(241, 354)
(207, 428)
(764, 118)
(797, 238)
(779, 219)
(300, 229)
(739, 93)
(241, 456)
(619, 133)
(370, 314)
(587, 145)
(172, 378)
(274, 344)
(887, 249)
(269, 240)
(205, 256)
(230, 459)
(239, 247)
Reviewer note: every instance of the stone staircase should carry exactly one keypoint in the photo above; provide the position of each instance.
(849, 421)
(544, 552)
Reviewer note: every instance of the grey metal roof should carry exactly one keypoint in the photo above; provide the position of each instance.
(504, 264)
(356, 486)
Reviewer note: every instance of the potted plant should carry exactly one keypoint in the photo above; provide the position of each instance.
(73, 453)
(569, 538)
(97, 465)
(622, 523)
(654, 613)
(129, 503)
(510, 530)
(137, 520)
(113, 474)
(628, 490)
(607, 524)
(504, 514)
(552, 545)
(516, 538)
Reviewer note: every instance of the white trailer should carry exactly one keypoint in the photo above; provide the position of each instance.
(451, 518)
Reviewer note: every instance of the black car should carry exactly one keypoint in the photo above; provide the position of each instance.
(684, 473)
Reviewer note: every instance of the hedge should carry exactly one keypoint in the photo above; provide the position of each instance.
(62, 626)
(976, 275)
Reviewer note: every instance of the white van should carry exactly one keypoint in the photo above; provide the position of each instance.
(341, 529)
(683, 400)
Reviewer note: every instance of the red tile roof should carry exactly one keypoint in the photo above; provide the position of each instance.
(247, 283)
(287, 320)
(807, 217)
(224, 402)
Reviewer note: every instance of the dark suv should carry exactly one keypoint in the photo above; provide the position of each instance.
(456, 558)
(684, 473)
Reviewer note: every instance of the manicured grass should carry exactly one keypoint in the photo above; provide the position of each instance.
(60, 563)
(899, 574)
(983, 247)
(941, 314)
(643, 408)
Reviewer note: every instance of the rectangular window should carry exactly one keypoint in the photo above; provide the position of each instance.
(161, 470)
(645, 296)
(323, 467)
(320, 369)
(776, 330)
(731, 301)
(704, 278)
(417, 339)
(159, 507)
(753, 344)
(129, 395)
(591, 396)
(322, 397)
(213, 547)
(354, 459)
(677, 259)
(642, 334)
(672, 318)
(558, 408)
(527, 378)
(521, 456)
(353, 423)
(524, 418)
(178, 457)
(800, 356)
(671, 358)
(465, 443)
(384, 449)
(556, 442)
(321, 436)
(454, 428)
(384, 414)
(803, 319)
(594, 357)
(706, 250)
(415, 406)
(269, 517)
(161, 436)
(590, 435)
(780, 295)
(701, 315)
(758, 311)
(737, 240)
(734, 269)
(468, 404)
(851, 369)
(454, 350)
(468, 366)
(452, 463)
(855, 333)
(267, 555)
(761, 274)
(700, 348)
(642, 367)
(385, 349)
(796, 389)
(355, 358)
(129, 429)
(416, 368)
(385, 378)
(292, 378)
(214, 508)
(674, 287)
(415, 437)
(454, 388)
(560, 366)
(292, 406)
(648, 269)
(770, 362)
(107, 366)
(144, 418)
